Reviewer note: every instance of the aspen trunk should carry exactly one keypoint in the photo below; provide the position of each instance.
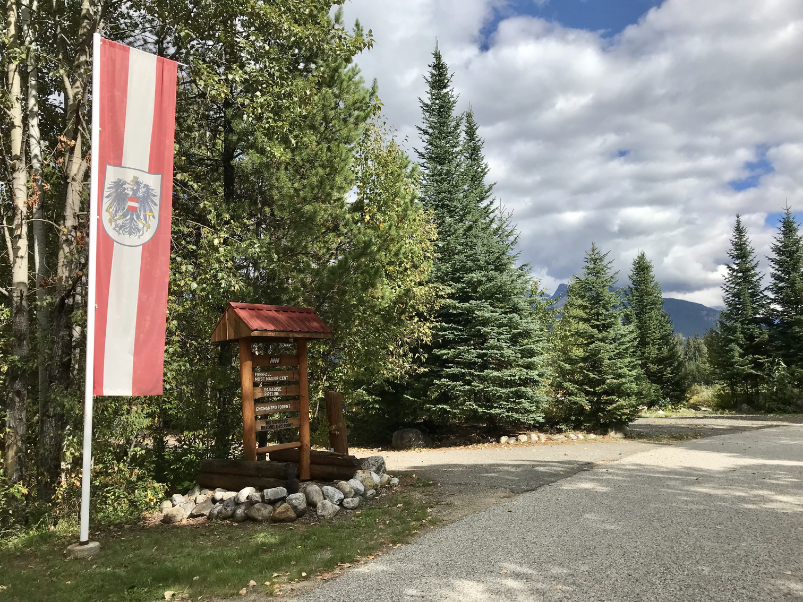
(16, 421)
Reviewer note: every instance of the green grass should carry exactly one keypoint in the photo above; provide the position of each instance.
(202, 560)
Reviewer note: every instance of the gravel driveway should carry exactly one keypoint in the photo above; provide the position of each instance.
(709, 519)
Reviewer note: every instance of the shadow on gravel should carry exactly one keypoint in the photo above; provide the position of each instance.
(707, 426)
(715, 520)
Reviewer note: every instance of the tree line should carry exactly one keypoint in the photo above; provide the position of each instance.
(291, 189)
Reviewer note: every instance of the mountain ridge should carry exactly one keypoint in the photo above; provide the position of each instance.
(688, 318)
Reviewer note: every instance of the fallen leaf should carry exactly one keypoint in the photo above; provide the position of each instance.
(169, 594)
(238, 561)
(303, 574)
(267, 582)
(243, 591)
(504, 571)
(195, 578)
(252, 583)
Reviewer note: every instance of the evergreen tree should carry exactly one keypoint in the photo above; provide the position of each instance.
(740, 344)
(696, 365)
(786, 288)
(598, 376)
(486, 361)
(655, 340)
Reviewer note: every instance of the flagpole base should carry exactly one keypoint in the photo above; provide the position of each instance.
(83, 550)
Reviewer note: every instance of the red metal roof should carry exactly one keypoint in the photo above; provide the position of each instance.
(279, 318)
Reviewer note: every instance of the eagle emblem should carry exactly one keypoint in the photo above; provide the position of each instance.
(131, 198)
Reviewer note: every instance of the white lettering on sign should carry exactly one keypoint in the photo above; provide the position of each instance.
(275, 407)
(275, 360)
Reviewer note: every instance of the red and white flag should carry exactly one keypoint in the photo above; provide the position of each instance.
(137, 114)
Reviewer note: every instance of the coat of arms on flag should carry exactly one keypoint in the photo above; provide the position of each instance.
(130, 205)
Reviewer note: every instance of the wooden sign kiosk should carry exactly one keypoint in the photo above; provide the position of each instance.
(280, 385)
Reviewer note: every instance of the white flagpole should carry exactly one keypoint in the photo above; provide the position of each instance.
(90, 296)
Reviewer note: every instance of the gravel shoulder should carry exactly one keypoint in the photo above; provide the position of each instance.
(716, 518)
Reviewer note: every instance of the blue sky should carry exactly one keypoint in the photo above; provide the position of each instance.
(640, 125)
(607, 16)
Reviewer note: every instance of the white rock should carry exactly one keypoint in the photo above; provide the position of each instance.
(298, 502)
(533, 436)
(193, 493)
(350, 503)
(174, 515)
(218, 494)
(255, 498)
(327, 509)
(242, 495)
(377, 478)
(177, 499)
(274, 494)
(394, 482)
(581, 436)
(523, 438)
(572, 436)
(358, 487)
(542, 437)
(503, 439)
(591, 436)
(333, 495)
(165, 506)
(313, 494)
(370, 494)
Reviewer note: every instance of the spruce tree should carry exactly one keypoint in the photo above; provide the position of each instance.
(598, 377)
(740, 344)
(486, 361)
(655, 340)
(786, 288)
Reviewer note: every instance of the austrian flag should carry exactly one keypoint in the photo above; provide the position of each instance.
(137, 108)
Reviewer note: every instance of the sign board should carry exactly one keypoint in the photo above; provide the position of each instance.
(277, 376)
(275, 360)
(272, 407)
(275, 391)
(277, 425)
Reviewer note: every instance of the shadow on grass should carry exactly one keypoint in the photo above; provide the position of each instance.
(204, 559)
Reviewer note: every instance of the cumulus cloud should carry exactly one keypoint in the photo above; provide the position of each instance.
(652, 139)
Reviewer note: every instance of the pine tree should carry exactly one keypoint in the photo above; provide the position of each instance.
(598, 376)
(786, 288)
(486, 361)
(655, 340)
(740, 344)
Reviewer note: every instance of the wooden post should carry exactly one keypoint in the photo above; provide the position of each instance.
(303, 431)
(247, 384)
(338, 438)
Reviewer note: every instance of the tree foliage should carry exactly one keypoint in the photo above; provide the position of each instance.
(655, 341)
(598, 377)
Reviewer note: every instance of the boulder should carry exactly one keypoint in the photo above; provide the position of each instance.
(503, 439)
(542, 437)
(230, 502)
(298, 502)
(188, 506)
(239, 512)
(394, 482)
(572, 436)
(558, 437)
(533, 436)
(374, 463)
(591, 436)
(255, 498)
(226, 511)
(346, 489)
(384, 480)
(523, 438)
(193, 493)
(165, 506)
(333, 495)
(313, 494)
(327, 509)
(274, 494)
(244, 493)
(217, 496)
(410, 438)
(370, 494)
(202, 497)
(260, 512)
(202, 509)
(174, 515)
(581, 436)
(357, 486)
(350, 503)
(366, 477)
(214, 513)
(283, 514)
(177, 499)
(227, 495)
(205, 491)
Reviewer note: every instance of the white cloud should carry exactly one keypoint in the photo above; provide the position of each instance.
(629, 142)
